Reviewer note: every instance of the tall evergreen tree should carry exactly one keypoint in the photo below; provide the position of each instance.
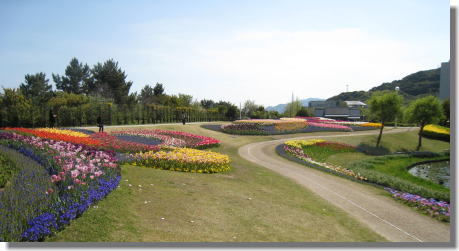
(146, 95)
(109, 81)
(76, 78)
(36, 88)
(158, 89)
(207, 103)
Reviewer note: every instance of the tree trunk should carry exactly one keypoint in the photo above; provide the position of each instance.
(420, 137)
(380, 135)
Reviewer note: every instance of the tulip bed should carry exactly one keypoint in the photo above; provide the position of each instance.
(169, 138)
(294, 125)
(111, 142)
(69, 179)
(67, 170)
(386, 171)
(183, 159)
(316, 150)
(436, 132)
(59, 135)
(432, 207)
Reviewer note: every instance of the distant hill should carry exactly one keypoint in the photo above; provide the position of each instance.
(413, 86)
(281, 107)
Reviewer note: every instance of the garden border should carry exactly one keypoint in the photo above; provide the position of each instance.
(281, 152)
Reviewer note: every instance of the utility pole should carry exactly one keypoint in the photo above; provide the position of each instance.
(240, 110)
(396, 91)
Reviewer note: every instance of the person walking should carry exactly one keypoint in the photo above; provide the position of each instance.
(183, 118)
(100, 124)
(52, 118)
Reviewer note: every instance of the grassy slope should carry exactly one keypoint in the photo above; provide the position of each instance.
(406, 141)
(249, 203)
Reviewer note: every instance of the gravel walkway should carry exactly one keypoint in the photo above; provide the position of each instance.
(369, 205)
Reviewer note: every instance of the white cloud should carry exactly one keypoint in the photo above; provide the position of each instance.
(267, 66)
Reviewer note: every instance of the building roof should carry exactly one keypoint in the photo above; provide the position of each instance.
(355, 103)
(337, 111)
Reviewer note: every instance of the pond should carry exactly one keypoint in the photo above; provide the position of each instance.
(437, 172)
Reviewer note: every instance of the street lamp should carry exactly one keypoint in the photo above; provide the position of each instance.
(396, 91)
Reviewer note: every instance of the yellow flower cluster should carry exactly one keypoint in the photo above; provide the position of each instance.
(65, 132)
(370, 124)
(256, 121)
(436, 129)
(291, 125)
(184, 159)
(301, 143)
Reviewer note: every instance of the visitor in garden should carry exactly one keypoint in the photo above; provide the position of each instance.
(183, 118)
(100, 124)
(52, 118)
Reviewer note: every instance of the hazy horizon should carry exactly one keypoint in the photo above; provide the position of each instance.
(229, 50)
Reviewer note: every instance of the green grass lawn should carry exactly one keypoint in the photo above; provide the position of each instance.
(247, 204)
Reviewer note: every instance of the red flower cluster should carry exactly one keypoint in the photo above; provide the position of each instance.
(335, 145)
(110, 142)
(192, 140)
(56, 136)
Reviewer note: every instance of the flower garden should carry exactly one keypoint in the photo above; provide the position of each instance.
(436, 132)
(68, 170)
(294, 125)
(389, 172)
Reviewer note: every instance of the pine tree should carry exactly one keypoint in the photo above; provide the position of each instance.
(76, 79)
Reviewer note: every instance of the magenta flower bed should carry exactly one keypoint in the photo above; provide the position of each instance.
(326, 125)
(173, 138)
(111, 142)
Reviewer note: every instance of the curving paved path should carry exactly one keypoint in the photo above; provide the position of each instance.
(367, 204)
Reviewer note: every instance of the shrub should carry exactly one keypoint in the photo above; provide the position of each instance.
(372, 150)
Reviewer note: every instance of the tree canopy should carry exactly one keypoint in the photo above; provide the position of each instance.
(424, 111)
(385, 107)
(76, 78)
(158, 89)
(36, 88)
(109, 81)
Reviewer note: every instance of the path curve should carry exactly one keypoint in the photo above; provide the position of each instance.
(367, 204)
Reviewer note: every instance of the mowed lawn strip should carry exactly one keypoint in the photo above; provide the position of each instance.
(249, 203)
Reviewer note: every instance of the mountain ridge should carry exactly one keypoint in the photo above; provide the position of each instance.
(412, 86)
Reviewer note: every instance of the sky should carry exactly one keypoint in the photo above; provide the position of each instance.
(232, 50)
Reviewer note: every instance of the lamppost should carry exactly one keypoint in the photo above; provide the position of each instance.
(396, 91)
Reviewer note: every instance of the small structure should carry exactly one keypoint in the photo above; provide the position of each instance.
(322, 104)
(355, 104)
(330, 110)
